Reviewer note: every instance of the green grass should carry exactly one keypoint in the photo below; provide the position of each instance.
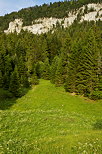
(47, 120)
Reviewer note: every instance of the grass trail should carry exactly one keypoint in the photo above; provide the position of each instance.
(47, 120)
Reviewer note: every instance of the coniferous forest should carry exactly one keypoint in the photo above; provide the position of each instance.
(51, 84)
(70, 57)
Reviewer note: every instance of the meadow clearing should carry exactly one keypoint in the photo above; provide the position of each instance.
(48, 120)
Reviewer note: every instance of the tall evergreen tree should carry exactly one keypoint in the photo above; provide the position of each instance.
(14, 83)
(22, 71)
(70, 83)
(1, 80)
(53, 69)
(59, 73)
(46, 69)
(34, 79)
(87, 77)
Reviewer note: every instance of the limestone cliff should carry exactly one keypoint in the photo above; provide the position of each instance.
(43, 25)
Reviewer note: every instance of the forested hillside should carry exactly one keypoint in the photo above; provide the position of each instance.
(71, 57)
(51, 84)
(57, 10)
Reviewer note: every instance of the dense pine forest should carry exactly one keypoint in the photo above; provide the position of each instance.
(71, 57)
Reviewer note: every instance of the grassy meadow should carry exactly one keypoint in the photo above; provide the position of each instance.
(47, 120)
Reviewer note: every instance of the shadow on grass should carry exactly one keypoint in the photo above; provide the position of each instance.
(7, 103)
(98, 125)
(7, 100)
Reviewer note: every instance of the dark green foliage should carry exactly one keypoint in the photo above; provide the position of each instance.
(71, 57)
(70, 84)
(14, 83)
(100, 84)
(22, 72)
(1, 80)
(53, 69)
(46, 70)
(84, 66)
(24, 81)
(4, 94)
(98, 124)
(86, 10)
(39, 69)
(59, 73)
(96, 95)
(34, 79)
(6, 80)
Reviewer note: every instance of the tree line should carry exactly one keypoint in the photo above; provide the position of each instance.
(71, 57)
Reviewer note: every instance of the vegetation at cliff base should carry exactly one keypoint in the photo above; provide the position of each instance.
(71, 57)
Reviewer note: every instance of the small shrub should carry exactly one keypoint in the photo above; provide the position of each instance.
(97, 15)
(91, 9)
(96, 95)
(34, 80)
(22, 91)
(4, 94)
(86, 9)
(98, 124)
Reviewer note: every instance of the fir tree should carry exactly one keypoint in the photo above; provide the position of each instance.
(46, 69)
(59, 73)
(34, 79)
(87, 79)
(39, 69)
(53, 69)
(22, 72)
(70, 83)
(14, 83)
(1, 80)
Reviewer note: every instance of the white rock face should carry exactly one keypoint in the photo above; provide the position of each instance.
(15, 26)
(92, 15)
(43, 25)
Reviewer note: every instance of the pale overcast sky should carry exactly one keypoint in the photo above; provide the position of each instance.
(7, 6)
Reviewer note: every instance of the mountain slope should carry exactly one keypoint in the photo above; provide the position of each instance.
(49, 120)
(55, 10)
(89, 12)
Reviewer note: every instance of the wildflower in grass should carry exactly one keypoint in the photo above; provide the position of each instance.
(84, 152)
(90, 145)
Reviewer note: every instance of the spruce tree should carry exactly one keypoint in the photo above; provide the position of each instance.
(59, 73)
(22, 72)
(87, 77)
(53, 69)
(34, 78)
(46, 69)
(39, 69)
(70, 83)
(14, 83)
(1, 80)
(7, 70)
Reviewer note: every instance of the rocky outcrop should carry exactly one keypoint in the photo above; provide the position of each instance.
(94, 15)
(94, 12)
(15, 26)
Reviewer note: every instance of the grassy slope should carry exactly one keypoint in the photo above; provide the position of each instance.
(49, 120)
